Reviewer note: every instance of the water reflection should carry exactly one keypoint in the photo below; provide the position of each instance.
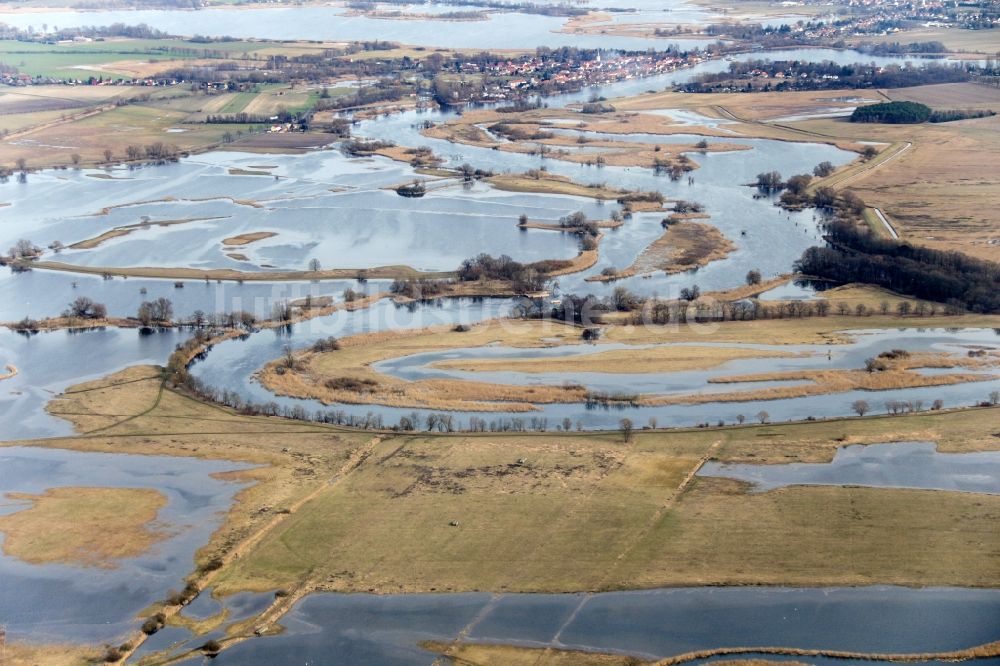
(899, 465)
(56, 603)
(358, 628)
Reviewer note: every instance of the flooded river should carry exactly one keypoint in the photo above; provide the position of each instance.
(916, 465)
(61, 603)
(369, 629)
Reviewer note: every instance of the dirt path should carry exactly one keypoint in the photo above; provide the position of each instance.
(62, 121)
(729, 115)
(282, 604)
(883, 158)
(667, 504)
(885, 222)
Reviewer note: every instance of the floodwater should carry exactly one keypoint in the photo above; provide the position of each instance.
(337, 210)
(56, 603)
(898, 465)
(231, 366)
(48, 363)
(326, 206)
(500, 30)
(369, 629)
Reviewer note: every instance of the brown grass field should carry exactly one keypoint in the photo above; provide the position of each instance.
(73, 517)
(487, 654)
(551, 184)
(657, 359)
(183, 273)
(89, 132)
(955, 39)
(950, 96)
(683, 246)
(353, 362)
(584, 511)
(246, 239)
(125, 230)
(347, 376)
(31, 654)
(47, 125)
(898, 375)
(853, 295)
(939, 192)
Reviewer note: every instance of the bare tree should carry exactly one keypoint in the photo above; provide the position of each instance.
(823, 169)
(763, 416)
(626, 427)
(24, 249)
(860, 407)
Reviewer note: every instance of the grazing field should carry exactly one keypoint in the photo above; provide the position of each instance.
(333, 509)
(754, 107)
(940, 192)
(89, 527)
(950, 96)
(59, 125)
(630, 514)
(63, 95)
(114, 58)
(954, 39)
(88, 132)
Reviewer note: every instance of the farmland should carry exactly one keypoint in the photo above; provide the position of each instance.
(630, 512)
(47, 125)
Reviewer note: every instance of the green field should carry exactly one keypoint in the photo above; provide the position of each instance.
(238, 103)
(65, 60)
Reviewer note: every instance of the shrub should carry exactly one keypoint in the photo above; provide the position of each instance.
(823, 169)
(212, 564)
(682, 206)
(350, 384)
(326, 344)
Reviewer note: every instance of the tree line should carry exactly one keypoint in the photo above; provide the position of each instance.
(806, 75)
(857, 255)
